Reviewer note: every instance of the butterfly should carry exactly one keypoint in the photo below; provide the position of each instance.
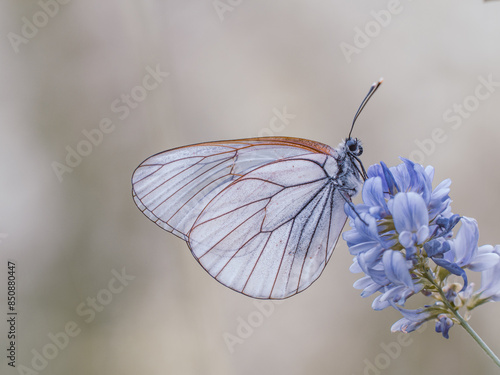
(261, 215)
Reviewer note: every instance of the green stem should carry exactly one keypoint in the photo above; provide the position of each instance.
(476, 337)
(464, 324)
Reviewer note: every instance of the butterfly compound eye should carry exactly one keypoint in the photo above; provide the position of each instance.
(354, 147)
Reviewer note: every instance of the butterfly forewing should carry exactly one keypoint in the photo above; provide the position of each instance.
(262, 216)
(171, 188)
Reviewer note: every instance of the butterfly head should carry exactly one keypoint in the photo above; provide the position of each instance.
(353, 146)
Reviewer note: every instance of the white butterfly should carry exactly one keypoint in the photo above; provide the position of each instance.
(261, 215)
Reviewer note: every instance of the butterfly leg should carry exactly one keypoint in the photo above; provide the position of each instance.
(348, 201)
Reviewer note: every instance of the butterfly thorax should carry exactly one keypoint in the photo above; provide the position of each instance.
(351, 173)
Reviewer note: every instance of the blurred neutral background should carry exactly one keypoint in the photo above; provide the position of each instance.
(69, 67)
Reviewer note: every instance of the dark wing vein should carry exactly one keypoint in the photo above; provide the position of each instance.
(313, 233)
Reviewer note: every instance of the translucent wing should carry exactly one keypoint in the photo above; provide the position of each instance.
(262, 215)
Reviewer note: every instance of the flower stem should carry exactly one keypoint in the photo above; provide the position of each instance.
(464, 323)
(476, 337)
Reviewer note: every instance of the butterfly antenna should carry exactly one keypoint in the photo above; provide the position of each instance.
(372, 90)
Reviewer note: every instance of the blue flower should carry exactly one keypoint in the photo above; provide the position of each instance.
(411, 218)
(464, 245)
(402, 239)
(465, 249)
(412, 319)
(490, 278)
(443, 325)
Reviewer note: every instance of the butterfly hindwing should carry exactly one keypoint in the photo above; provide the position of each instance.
(268, 237)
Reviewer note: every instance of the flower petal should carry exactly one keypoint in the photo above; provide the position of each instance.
(453, 268)
(436, 247)
(443, 325)
(409, 212)
(396, 268)
(440, 200)
(406, 238)
(483, 262)
(422, 234)
(412, 319)
(380, 304)
(374, 197)
(464, 244)
(490, 281)
(389, 178)
(486, 258)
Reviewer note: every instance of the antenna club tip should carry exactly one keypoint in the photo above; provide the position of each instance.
(378, 83)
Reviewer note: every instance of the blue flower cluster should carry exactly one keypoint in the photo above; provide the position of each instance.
(403, 240)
